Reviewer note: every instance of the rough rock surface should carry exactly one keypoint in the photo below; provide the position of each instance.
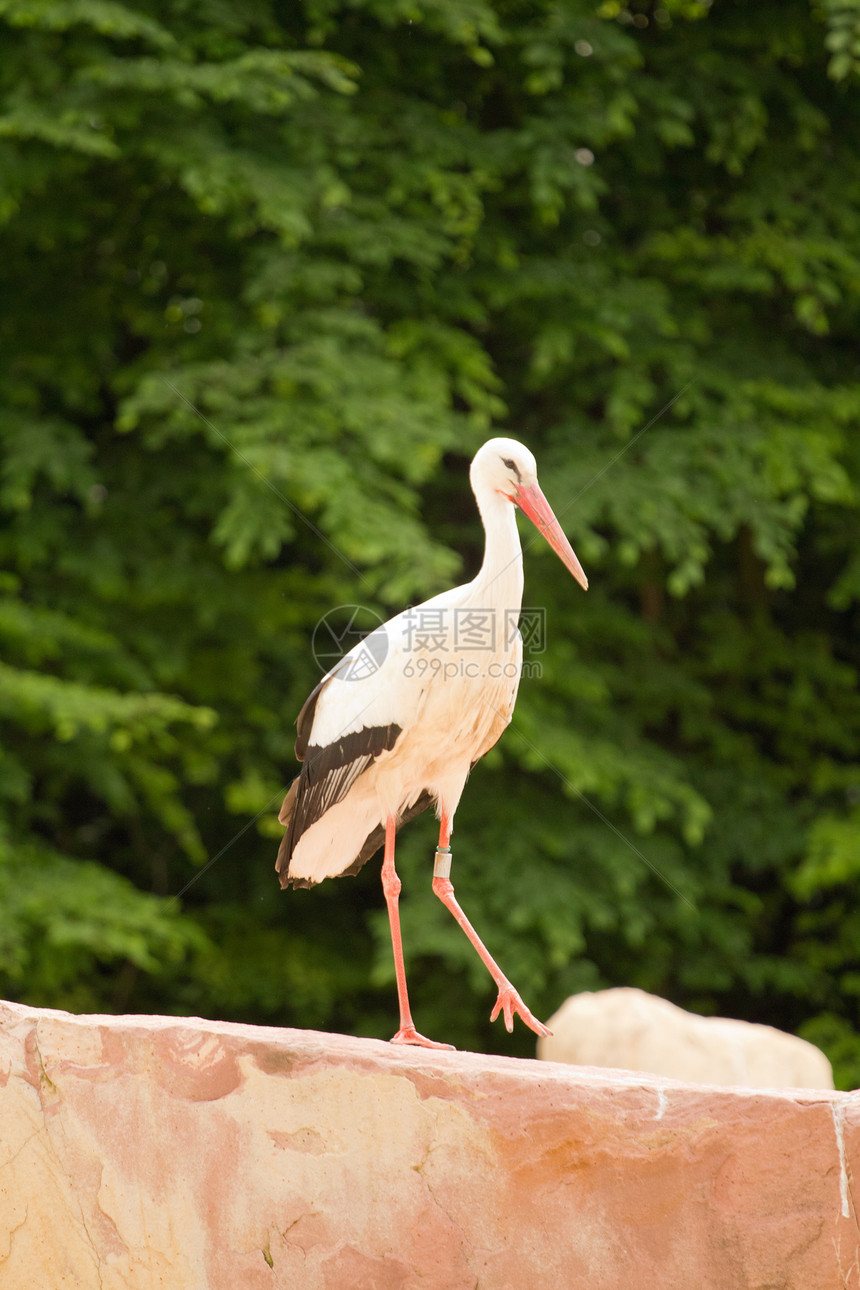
(147, 1152)
(629, 1029)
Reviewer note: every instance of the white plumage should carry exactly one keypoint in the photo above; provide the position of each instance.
(389, 732)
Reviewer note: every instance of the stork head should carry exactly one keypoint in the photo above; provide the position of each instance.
(507, 467)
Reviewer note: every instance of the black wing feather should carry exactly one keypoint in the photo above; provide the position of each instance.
(328, 772)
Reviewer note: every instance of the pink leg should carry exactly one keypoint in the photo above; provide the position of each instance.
(407, 1034)
(508, 1002)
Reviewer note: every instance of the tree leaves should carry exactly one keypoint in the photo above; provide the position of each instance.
(270, 277)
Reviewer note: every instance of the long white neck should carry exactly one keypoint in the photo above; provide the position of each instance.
(499, 583)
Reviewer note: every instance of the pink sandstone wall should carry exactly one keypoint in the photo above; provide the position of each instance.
(154, 1153)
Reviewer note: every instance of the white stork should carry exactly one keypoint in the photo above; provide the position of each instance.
(393, 730)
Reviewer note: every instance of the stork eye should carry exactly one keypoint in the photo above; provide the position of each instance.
(512, 466)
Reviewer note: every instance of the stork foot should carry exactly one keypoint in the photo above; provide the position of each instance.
(510, 1004)
(409, 1035)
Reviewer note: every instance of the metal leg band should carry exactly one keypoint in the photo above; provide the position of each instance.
(442, 863)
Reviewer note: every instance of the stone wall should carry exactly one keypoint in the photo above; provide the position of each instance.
(153, 1152)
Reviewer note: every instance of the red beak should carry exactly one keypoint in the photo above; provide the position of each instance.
(533, 503)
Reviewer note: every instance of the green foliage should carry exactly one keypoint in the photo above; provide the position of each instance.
(843, 36)
(270, 275)
(67, 923)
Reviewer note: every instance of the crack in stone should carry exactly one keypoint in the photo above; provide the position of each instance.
(43, 1128)
(853, 1266)
(420, 1169)
(849, 1209)
(92, 1244)
(17, 1227)
(294, 1245)
(46, 1080)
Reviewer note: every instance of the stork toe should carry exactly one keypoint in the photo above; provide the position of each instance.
(510, 1004)
(409, 1035)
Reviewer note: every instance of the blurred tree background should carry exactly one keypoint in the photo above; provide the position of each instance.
(271, 273)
